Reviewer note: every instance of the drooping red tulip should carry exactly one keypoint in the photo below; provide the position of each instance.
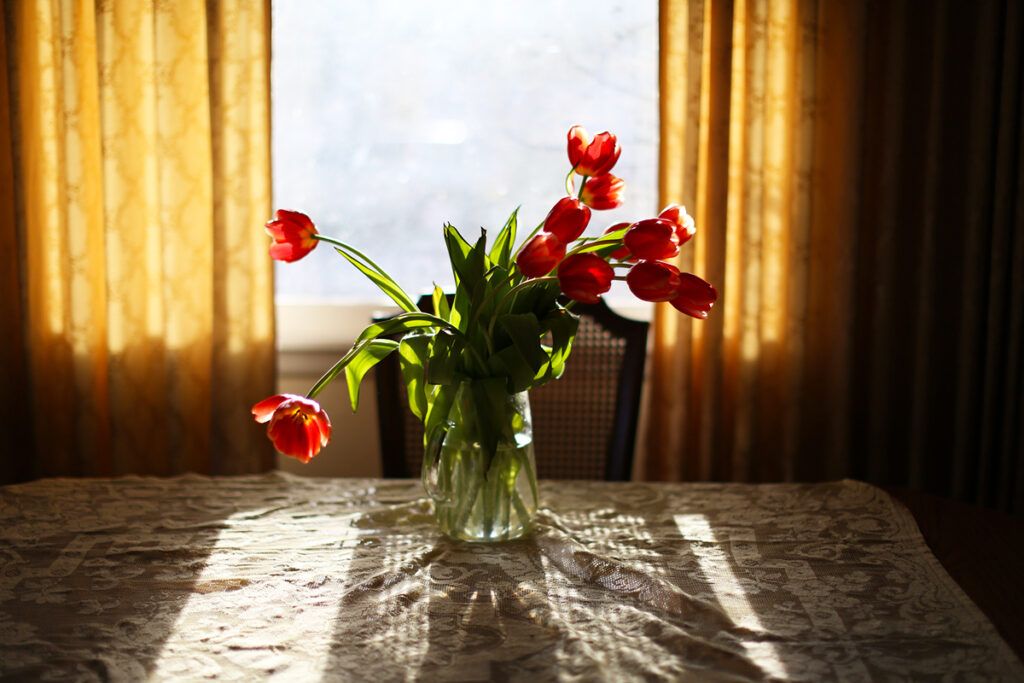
(567, 219)
(652, 239)
(540, 255)
(592, 157)
(654, 281)
(685, 226)
(298, 427)
(603, 192)
(695, 297)
(622, 253)
(585, 277)
(293, 235)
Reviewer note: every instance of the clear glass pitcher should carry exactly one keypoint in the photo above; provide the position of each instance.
(480, 496)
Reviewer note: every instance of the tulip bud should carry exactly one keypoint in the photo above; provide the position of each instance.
(653, 281)
(585, 277)
(298, 427)
(603, 192)
(652, 239)
(540, 255)
(695, 297)
(685, 226)
(567, 219)
(592, 157)
(622, 253)
(293, 235)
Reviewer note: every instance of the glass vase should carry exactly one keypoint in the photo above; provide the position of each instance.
(479, 495)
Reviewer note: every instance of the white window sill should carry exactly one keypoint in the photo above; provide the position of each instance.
(311, 335)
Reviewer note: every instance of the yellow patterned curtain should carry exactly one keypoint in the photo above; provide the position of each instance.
(140, 308)
(856, 171)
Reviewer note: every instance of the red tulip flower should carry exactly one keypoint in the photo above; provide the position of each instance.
(585, 277)
(540, 255)
(592, 157)
(299, 427)
(567, 219)
(622, 253)
(695, 297)
(652, 239)
(603, 192)
(654, 281)
(293, 235)
(685, 227)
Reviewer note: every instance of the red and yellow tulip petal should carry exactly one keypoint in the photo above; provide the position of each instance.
(585, 277)
(654, 281)
(567, 219)
(652, 239)
(695, 296)
(264, 410)
(540, 255)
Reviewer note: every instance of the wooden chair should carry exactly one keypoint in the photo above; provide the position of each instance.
(584, 424)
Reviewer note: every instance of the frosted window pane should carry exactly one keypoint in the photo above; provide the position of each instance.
(391, 117)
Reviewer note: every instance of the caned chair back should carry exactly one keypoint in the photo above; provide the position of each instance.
(584, 424)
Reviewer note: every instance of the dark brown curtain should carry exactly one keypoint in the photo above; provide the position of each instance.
(857, 170)
(938, 390)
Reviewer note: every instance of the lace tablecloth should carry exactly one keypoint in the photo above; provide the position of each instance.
(277, 576)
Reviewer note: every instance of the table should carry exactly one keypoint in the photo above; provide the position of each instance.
(982, 550)
(281, 577)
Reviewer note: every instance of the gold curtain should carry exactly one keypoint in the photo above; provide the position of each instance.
(856, 173)
(138, 153)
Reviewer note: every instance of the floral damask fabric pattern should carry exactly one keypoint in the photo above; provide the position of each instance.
(141, 168)
(305, 579)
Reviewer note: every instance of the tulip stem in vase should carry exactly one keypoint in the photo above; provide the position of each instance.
(507, 327)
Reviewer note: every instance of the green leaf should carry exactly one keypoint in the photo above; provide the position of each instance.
(459, 316)
(538, 298)
(458, 251)
(525, 331)
(441, 309)
(501, 252)
(605, 244)
(439, 406)
(489, 398)
(445, 352)
(383, 281)
(403, 322)
(562, 325)
(476, 269)
(509, 363)
(371, 353)
(412, 359)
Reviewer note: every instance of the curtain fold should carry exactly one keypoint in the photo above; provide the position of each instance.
(856, 170)
(139, 149)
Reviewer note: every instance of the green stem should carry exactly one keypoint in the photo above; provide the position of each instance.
(589, 245)
(517, 501)
(583, 184)
(469, 504)
(349, 247)
(488, 501)
(335, 370)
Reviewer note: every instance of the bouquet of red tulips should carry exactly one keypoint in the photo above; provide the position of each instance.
(509, 325)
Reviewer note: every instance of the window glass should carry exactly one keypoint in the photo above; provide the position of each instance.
(391, 117)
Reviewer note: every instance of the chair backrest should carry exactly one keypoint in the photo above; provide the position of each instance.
(584, 424)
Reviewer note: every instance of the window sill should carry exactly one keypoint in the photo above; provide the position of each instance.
(311, 335)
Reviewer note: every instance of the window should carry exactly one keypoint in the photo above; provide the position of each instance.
(392, 117)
